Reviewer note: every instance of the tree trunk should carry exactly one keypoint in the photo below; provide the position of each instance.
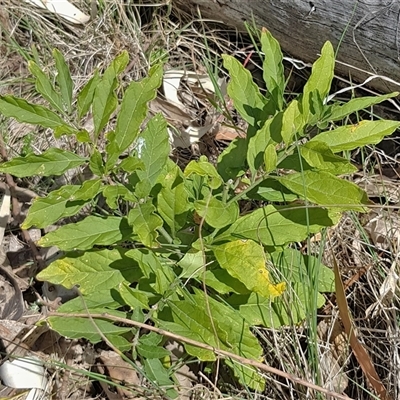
(367, 32)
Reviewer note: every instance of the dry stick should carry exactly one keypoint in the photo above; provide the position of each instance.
(242, 360)
(40, 264)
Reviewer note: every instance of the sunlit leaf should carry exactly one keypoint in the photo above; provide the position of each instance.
(90, 231)
(245, 261)
(277, 226)
(172, 201)
(217, 213)
(246, 95)
(154, 150)
(23, 111)
(292, 122)
(239, 339)
(56, 205)
(134, 109)
(204, 168)
(145, 223)
(52, 162)
(93, 271)
(273, 73)
(320, 156)
(63, 79)
(270, 158)
(45, 87)
(320, 79)
(338, 111)
(105, 100)
(87, 191)
(350, 137)
(270, 133)
(326, 189)
(85, 96)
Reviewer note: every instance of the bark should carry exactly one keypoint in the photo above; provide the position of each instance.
(367, 31)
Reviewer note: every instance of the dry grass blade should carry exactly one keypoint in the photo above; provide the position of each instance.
(359, 351)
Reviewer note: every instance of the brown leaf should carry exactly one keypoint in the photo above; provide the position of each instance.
(359, 351)
(227, 134)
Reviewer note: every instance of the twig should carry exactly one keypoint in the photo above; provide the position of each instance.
(227, 354)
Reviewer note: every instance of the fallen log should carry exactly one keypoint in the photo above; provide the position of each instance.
(366, 33)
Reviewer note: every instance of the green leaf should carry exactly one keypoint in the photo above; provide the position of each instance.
(88, 191)
(217, 213)
(77, 328)
(156, 372)
(273, 73)
(52, 162)
(100, 300)
(56, 205)
(134, 110)
(91, 231)
(258, 310)
(350, 137)
(277, 226)
(204, 168)
(113, 192)
(270, 158)
(296, 267)
(232, 161)
(96, 163)
(288, 309)
(150, 351)
(85, 96)
(271, 190)
(228, 328)
(246, 95)
(154, 150)
(134, 298)
(245, 261)
(93, 271)
(320, 156)
(320, 79)
(151, 339)
(105, 100)
(23, 111)
(145, 223)
(292, 122)
(192, 264)
(239, 339)
(326, 189)
(64, 130)
(131, 164)
(44, 86)
(63, 79)
(224, 283)
(83, 136)
(194, 323)
(270, 133)
(173, 202)
(339, 112)
(151, 266)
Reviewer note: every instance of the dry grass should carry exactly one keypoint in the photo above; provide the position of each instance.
(150, 33)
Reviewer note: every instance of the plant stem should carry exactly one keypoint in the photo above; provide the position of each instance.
(166, 235)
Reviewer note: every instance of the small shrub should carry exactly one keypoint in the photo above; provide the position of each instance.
(183, 232)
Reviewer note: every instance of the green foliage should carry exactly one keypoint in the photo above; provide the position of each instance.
(165, 232)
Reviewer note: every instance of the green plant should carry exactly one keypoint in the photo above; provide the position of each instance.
(173, 248)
